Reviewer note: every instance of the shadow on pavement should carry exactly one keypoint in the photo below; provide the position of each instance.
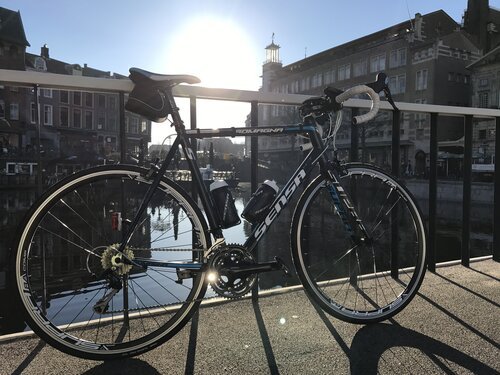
(370, 343)
(123, 367)
(29, 358)
(271, 360)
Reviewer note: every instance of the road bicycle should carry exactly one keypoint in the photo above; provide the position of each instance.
(114, 260)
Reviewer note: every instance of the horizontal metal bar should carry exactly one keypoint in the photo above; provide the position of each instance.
(61, 81)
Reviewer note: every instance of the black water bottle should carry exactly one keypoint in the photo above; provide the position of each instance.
(224, 204)
(260, 202)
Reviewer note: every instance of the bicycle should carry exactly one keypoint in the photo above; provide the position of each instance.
(114, 260)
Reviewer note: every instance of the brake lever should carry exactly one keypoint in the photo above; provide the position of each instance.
(380, 85)
(389, 98)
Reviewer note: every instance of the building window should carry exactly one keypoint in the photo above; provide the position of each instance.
(482, 134)
(134, 125)
(317, 80)
(47, 93)
(377, 63)
(47, 114)
(483, 82)
(14, 111)
(421, 80)
(101, 100)
(63, 116)
(397, 84)
(89, 120)
(112, 123)
(2, 109)
(304, 84)
(451, 76)
(484, 100)
(144, 127)
(420, 117)
(359, 68)
(64, 96)
(344, 72)
(101, 122)
(33, 113)
(77, 98)
(398, 58)
(329, 76)
(89, 99)
(112, 102)
(77, 118)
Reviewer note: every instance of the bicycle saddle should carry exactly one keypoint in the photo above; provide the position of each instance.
(143, 76)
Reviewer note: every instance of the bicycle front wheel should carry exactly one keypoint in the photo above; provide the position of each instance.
(78, 294)
(360, 281)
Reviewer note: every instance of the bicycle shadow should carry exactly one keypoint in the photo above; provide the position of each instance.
(123, 367)
(372, 341)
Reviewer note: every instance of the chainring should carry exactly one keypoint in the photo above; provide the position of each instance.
(225, 283)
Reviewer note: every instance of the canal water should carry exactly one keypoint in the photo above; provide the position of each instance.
(14, 204)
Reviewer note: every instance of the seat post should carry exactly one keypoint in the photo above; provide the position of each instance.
(176, 117)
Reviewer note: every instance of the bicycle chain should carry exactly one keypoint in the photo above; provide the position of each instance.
(167, 249)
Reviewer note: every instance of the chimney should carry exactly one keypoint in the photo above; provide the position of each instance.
(418, 26)
(45, 51)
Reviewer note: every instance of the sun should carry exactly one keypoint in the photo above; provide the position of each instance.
(217, 51)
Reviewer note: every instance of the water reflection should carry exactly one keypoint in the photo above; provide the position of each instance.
(162, 218)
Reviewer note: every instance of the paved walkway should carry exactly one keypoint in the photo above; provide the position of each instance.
(452, 326)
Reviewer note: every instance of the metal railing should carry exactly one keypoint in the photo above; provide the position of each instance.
(122, 86)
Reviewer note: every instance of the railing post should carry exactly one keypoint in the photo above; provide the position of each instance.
(353, 153)
(496, 199)
(194, 141)
(254, 157)
(467, 184)
(395, 155)
(123, 133)
(433, 154)
(396, 148)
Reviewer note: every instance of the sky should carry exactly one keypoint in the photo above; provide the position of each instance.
(221, 42)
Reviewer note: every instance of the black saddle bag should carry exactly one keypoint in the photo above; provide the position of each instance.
(148, 101)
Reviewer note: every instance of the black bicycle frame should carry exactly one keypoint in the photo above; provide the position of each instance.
(317, 155)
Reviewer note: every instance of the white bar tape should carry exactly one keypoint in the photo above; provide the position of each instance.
(305, 146)
(361, 89)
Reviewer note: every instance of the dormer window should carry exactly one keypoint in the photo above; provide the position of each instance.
(40, 64)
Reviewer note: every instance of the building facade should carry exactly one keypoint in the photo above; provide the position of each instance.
(426, 61)
(77, 128)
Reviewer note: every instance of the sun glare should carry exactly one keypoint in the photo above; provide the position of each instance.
(217, 51)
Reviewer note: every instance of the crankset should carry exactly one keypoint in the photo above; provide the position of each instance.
(233, 271)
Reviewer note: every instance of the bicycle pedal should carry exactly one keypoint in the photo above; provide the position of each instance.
(283, 267)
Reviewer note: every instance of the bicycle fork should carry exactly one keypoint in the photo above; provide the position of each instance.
(345, 209)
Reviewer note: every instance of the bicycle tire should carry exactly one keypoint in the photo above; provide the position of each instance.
(364, 282)
(68, 240)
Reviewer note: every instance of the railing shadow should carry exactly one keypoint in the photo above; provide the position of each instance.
(484, 273)
(370, 343)
(25, 363)
(193, 339)
(123, 367)
(268, 349)
(460, 321)
(468, 290)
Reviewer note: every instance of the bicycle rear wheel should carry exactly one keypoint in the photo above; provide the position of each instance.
(66, 264)
(367, 281)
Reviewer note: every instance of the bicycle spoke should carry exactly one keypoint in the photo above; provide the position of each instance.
(354, 281)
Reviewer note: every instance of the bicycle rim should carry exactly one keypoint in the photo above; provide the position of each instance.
(360, 282)
(70, 240)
